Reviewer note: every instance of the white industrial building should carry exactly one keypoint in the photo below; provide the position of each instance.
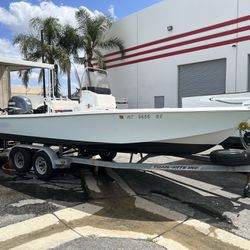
(180, 48)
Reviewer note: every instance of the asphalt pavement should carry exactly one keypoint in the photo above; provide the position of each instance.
(124, 210)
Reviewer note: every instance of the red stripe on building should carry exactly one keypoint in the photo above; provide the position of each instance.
(178, 52)
(195, 40)
(194, 32)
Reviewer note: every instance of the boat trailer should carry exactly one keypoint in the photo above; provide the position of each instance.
(44, 160)
(198, 163)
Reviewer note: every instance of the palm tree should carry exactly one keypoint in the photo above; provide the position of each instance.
(92, 31)
(32, 49)
(69, 42)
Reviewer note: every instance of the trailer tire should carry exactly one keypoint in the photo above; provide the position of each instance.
(20, 159)
(247, 191)
(42, 165)
(108, 156)
(230, 157)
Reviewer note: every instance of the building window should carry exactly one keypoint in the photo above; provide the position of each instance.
(159, 101)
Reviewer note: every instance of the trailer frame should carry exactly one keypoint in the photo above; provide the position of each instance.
(46, 159)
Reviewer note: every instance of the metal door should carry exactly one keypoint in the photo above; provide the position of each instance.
(204, 78)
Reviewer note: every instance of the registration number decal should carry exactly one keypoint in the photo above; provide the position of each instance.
(141, 116)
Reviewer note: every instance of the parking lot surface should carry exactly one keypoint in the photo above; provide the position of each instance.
(124, 210)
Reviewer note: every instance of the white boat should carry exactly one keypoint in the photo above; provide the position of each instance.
(164, 131)
(95, 124)
(224, 100)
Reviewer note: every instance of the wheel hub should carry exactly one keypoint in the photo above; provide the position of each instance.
(41, 165)
(19, 160)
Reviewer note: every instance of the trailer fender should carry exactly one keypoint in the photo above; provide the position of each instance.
(51, 154)
(57, 162)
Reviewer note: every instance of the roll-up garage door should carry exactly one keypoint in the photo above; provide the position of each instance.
(205, 78)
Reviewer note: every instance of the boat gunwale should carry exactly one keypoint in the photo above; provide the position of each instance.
(130, 111)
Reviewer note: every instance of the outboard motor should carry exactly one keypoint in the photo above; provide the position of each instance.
(19, 105)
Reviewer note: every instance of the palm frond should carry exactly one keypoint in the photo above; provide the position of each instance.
(50, 27)
(113, 43)
(27, 44)
(24, 74)
(36, 23)
(92, 30)
(40, 77)
(31, 47)
(83, 18)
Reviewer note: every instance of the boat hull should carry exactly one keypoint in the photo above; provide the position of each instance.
(149, 148)
(155, 131)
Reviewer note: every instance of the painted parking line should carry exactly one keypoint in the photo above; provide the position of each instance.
(48, 242)
(44, 231)
(167, 228)
(77, 212)
(218, 234)
(196, 185)
(202, 227)
(28, 226)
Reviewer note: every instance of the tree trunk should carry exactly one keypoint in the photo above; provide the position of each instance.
(69, 83)
(57, 84)
(89, 58)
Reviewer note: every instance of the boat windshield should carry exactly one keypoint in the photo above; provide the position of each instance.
(95, 78)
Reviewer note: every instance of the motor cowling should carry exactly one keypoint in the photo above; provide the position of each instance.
(19, 105)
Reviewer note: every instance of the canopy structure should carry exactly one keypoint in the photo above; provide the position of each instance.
(16, 65)
(8, 65)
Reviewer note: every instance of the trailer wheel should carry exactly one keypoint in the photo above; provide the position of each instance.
(20, 159)
(108, 156)
(42, 165)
